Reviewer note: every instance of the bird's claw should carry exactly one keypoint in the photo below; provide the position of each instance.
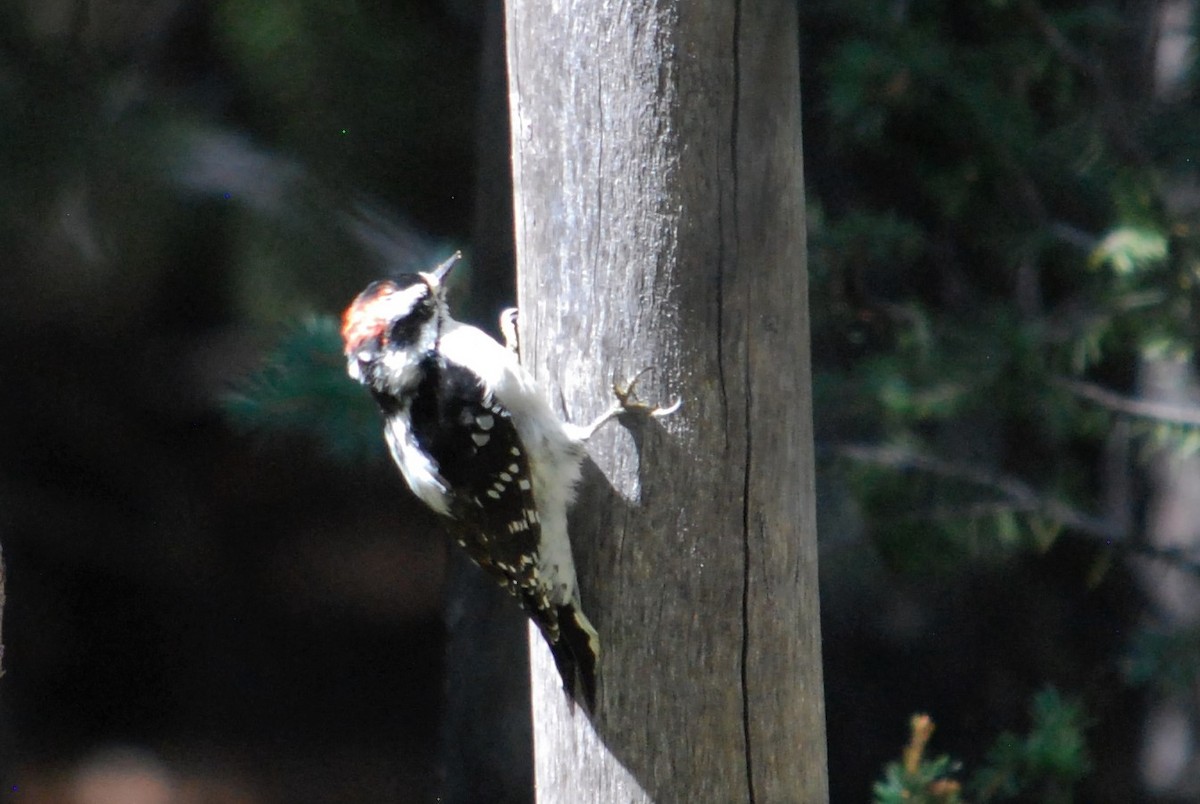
(509, 318)
(628, 401)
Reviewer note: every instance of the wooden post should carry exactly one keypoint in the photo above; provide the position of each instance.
(660, 222)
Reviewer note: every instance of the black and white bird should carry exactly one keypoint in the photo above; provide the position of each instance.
(477, 442)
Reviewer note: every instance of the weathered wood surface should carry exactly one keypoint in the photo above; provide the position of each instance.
(660, 222)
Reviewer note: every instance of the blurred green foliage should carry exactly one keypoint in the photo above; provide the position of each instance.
(995, 224)
(1004, 251)
(1167, 661)
(915, 779)
(1044, 765)
(302, 388)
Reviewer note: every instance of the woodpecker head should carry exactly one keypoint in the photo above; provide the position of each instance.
(390, 327)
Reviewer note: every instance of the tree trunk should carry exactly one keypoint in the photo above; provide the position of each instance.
(660, 222)
(1168, 761)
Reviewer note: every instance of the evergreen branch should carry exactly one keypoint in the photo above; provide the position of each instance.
(1115, 114)
(302, 388)
(1021, 496)
(1023, 499)
(1165, 412)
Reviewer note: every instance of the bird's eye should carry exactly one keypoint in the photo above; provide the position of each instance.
(406, 330)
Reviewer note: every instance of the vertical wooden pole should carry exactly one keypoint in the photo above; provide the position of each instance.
(660, 222)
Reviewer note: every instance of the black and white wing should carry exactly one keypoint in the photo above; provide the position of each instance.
(485, 469)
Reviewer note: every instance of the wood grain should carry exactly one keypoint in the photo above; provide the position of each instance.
(660, 222)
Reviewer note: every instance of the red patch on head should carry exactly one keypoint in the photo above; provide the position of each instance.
(363, 319)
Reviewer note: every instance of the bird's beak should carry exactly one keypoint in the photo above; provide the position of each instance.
(442, 271)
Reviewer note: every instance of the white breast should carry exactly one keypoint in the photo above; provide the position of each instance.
(417, 467)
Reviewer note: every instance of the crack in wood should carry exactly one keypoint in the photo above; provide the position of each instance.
(747, 378)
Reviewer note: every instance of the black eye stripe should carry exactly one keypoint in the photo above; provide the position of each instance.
(406, 329)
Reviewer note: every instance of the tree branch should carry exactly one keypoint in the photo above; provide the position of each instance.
(1165, 412)
(1020, 498)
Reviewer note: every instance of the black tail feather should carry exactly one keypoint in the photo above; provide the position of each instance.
(575, 656)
